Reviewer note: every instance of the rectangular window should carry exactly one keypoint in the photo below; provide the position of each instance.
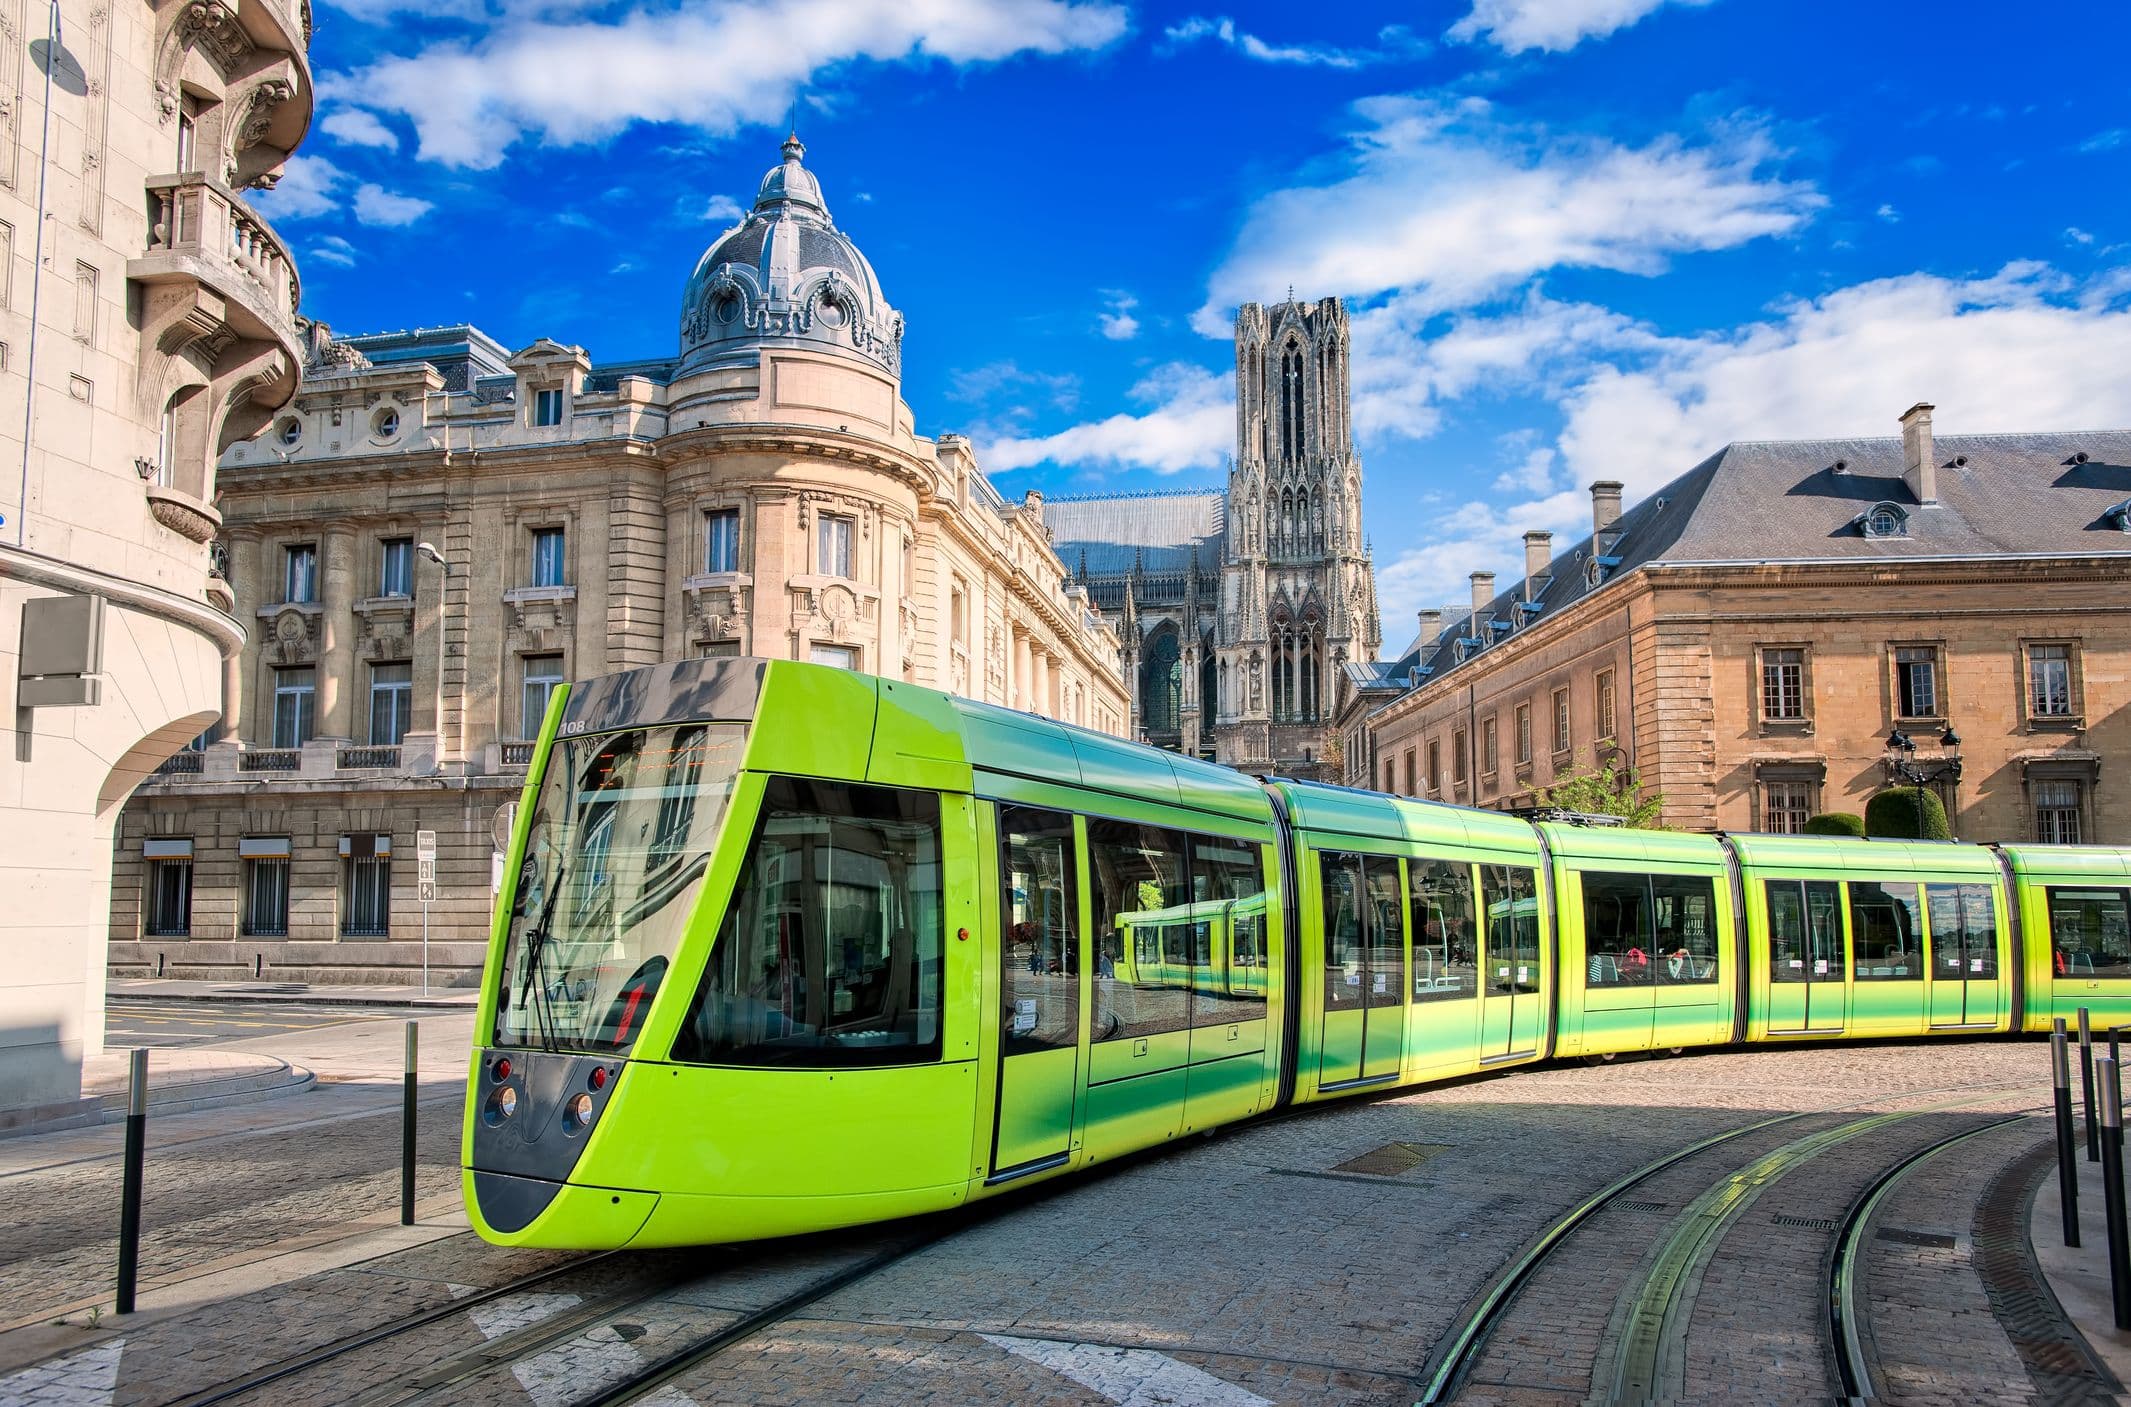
(835, 656)
(1435, 765)
(830, 953)
(1487, 746)
(85, 303)
(720, 650)
(1964, 931)
(1457, 756)
(1364, 932)
(1804, 930)
(1509, 897)
(548, 544)
(1916, 681)
(2057, 813)
(2049, 681)
(187, 125)
(1141, 886)
(1783, 684)
(1409, 773)
(170, 898)
(391, 702)
(1606, 721)
(1040, 900)
(295, 705)
(542, 674)
(2090, 931)
(721, 540)
(958, 613)
(833, 546)
(1445, 947)
(1785, 807)
(1886, 932)
(266, 896)
(547, 407)
(1639, 929)
(299, 573)
(366, 895)
(395, 567)
(166, 447)
(1524, 734)
(1561, 720)
(1229, 972)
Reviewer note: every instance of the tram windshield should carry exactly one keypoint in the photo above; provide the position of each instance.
(616, 850)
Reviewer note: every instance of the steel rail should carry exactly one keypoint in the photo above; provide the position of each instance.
(1846, 1320)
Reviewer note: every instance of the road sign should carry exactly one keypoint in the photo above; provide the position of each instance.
(499, 825)
(425, 889)
(427, 871)
(425, 845)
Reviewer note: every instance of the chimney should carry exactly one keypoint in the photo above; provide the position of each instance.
(1920, 469)
(1538, 555)
(1605, 506)
(1431, 626)
(1483, 591)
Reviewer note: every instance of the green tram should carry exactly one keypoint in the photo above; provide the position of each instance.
(782, 948)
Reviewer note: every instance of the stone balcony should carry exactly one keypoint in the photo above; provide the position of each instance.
(203, 240)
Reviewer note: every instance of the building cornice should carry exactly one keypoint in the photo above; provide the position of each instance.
(196, 616)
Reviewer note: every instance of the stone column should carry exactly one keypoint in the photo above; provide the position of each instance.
(1018, 691)
(336, 653)
(1040, 683)
(239, 703)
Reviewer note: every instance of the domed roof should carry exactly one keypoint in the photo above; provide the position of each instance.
(787, 275)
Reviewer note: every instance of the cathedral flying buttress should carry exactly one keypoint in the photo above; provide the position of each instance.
(1240, 609)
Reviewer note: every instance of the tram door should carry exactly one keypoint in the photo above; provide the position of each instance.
(1510, 1010)
(1040, 960)
(1964, 954)
(1806, 961)
(1364, 968)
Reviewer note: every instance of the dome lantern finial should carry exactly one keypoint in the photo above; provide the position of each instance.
(793, 148)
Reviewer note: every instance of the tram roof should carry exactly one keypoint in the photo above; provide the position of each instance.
(1863, 858)
(1320, 806)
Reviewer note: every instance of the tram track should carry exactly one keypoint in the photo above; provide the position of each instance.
(1466, 1345)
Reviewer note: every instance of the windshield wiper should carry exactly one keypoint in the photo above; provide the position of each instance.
(536, 945)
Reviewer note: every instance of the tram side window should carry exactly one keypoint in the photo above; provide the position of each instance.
(1512, 898)
(1886, 932)
(1684, 910)
(1616, 929)
(1140, 883)
(1445, 942)
(1228, 975)
(2090, 930)
(830, 950)
(1345, 959)
(1804, 931)
(1964, 931)
(1041, 920)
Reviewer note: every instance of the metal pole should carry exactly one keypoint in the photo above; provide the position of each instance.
(52, 50)
(2112, 1190)
(407, 1128)
(2086, 1083)
(425, 945)
(2067, 1176)
(129, 1207)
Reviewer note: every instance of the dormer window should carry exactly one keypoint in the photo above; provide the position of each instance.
(1593, 574)
(1884, 520)
(2120, 515)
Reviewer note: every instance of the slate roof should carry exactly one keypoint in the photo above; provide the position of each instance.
(1164, 531)
(1787, 501)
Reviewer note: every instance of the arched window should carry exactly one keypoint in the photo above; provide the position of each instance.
(1291, 404)
(1162, 683)
(1209, 680)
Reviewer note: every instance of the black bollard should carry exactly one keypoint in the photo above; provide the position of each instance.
(2067, 1175)
(2086, 1082)
(2112, 1190)
(129, 1206)
(407, 1128)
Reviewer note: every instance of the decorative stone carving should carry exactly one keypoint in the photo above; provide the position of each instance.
(292, 636)
(322, 355)
(182, 513)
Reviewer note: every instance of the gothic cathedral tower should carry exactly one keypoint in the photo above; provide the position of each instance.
(1298, 590)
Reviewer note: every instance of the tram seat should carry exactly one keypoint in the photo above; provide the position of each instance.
(2080, 962)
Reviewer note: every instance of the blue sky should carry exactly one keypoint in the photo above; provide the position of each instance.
(1579, 239)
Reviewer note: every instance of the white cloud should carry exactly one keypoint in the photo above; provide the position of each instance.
(1553, 25)
(2108, 140)
(374, 205)
(1393, 42)
(1190, 423)
(715, 66)
(306, 189)
(1446, 201)
(1116, 321)
(2075, 235)
(1534, 475)
(722, 210)
(358, 128)
(332, 249)
(1888, 213)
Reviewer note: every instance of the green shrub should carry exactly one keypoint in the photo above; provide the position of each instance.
(1892, 815)
(1835, 823)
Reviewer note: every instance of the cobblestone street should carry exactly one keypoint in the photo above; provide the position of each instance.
(1329, 1256)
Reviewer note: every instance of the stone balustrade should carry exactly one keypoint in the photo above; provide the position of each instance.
(196, 219)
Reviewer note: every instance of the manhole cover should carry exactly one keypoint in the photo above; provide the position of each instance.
(1805, 1223)
(1391, 1160)
(1937, 1241)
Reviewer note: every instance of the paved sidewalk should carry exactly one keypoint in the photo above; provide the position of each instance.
(309, 993)
(2079, 1276)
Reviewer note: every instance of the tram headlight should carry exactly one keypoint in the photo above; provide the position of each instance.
(577, 1114)
(501, 1105)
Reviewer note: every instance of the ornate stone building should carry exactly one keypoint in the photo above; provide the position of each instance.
(1241, 610)
(147, 323)
(761, 492)
(1747, 637)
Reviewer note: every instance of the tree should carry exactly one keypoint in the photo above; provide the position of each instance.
(1608, 791)
(1892, 815)
(1835, 823)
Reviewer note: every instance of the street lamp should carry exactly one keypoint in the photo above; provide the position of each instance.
(1902, 766)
